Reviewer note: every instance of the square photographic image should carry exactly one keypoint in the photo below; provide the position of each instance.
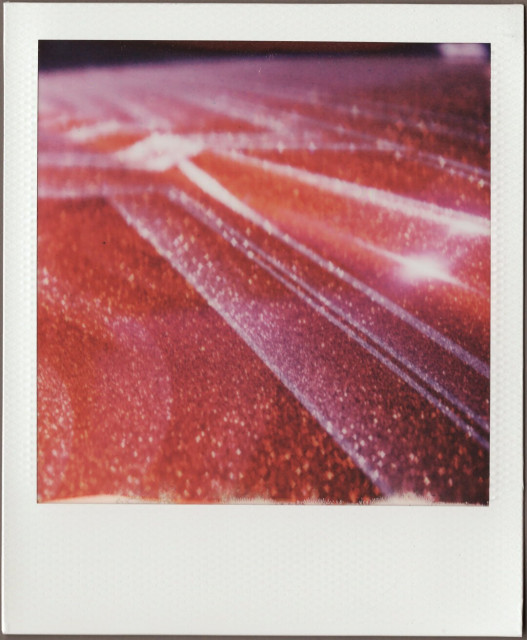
(263, 272)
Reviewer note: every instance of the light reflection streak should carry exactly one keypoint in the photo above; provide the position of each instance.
(212, 187)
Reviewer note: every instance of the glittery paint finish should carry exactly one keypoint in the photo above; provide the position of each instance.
(265, 280)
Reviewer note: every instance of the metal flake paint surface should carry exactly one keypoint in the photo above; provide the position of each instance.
(265, 279)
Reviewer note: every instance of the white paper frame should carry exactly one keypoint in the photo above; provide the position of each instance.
(262, 570)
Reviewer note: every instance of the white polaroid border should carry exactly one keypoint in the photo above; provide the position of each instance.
(261, 570)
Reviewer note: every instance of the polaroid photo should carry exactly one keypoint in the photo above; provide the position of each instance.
(263, 319)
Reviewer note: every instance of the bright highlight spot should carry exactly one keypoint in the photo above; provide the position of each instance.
(425, 268)
(463, 50)
(159, 152)
(414, 268)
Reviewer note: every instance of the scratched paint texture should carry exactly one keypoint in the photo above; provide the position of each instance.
(265, 279)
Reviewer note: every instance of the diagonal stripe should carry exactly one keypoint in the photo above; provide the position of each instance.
(213, 188)
(457, 222)
(335, 315)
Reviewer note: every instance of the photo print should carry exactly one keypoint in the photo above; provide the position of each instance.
(263, 272)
